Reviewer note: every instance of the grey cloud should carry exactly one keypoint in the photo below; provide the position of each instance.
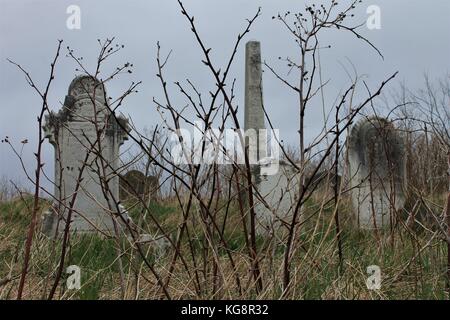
(413, 39)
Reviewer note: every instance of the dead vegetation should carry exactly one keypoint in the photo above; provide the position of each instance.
(202, 240)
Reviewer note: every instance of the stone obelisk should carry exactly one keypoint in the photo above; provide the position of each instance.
(256, 141)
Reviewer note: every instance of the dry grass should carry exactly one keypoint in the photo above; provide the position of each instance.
(413, 264)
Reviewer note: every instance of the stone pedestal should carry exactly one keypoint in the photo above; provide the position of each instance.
(280, 194)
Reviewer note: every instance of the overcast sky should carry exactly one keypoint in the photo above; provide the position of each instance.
(414, 39)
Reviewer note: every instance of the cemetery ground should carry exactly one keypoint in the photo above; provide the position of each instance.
(412, 261)
(377, 228)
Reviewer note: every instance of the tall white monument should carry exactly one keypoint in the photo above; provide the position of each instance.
(275, 181)
(254, 118)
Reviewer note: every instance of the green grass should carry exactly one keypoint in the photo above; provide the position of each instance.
(96, 258)
(408, 272)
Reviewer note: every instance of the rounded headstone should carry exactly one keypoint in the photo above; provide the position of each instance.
(377, 172)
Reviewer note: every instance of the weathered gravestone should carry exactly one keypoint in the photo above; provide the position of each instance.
(377, 172)
(74, 133)
(276, 182)
(134, 185)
